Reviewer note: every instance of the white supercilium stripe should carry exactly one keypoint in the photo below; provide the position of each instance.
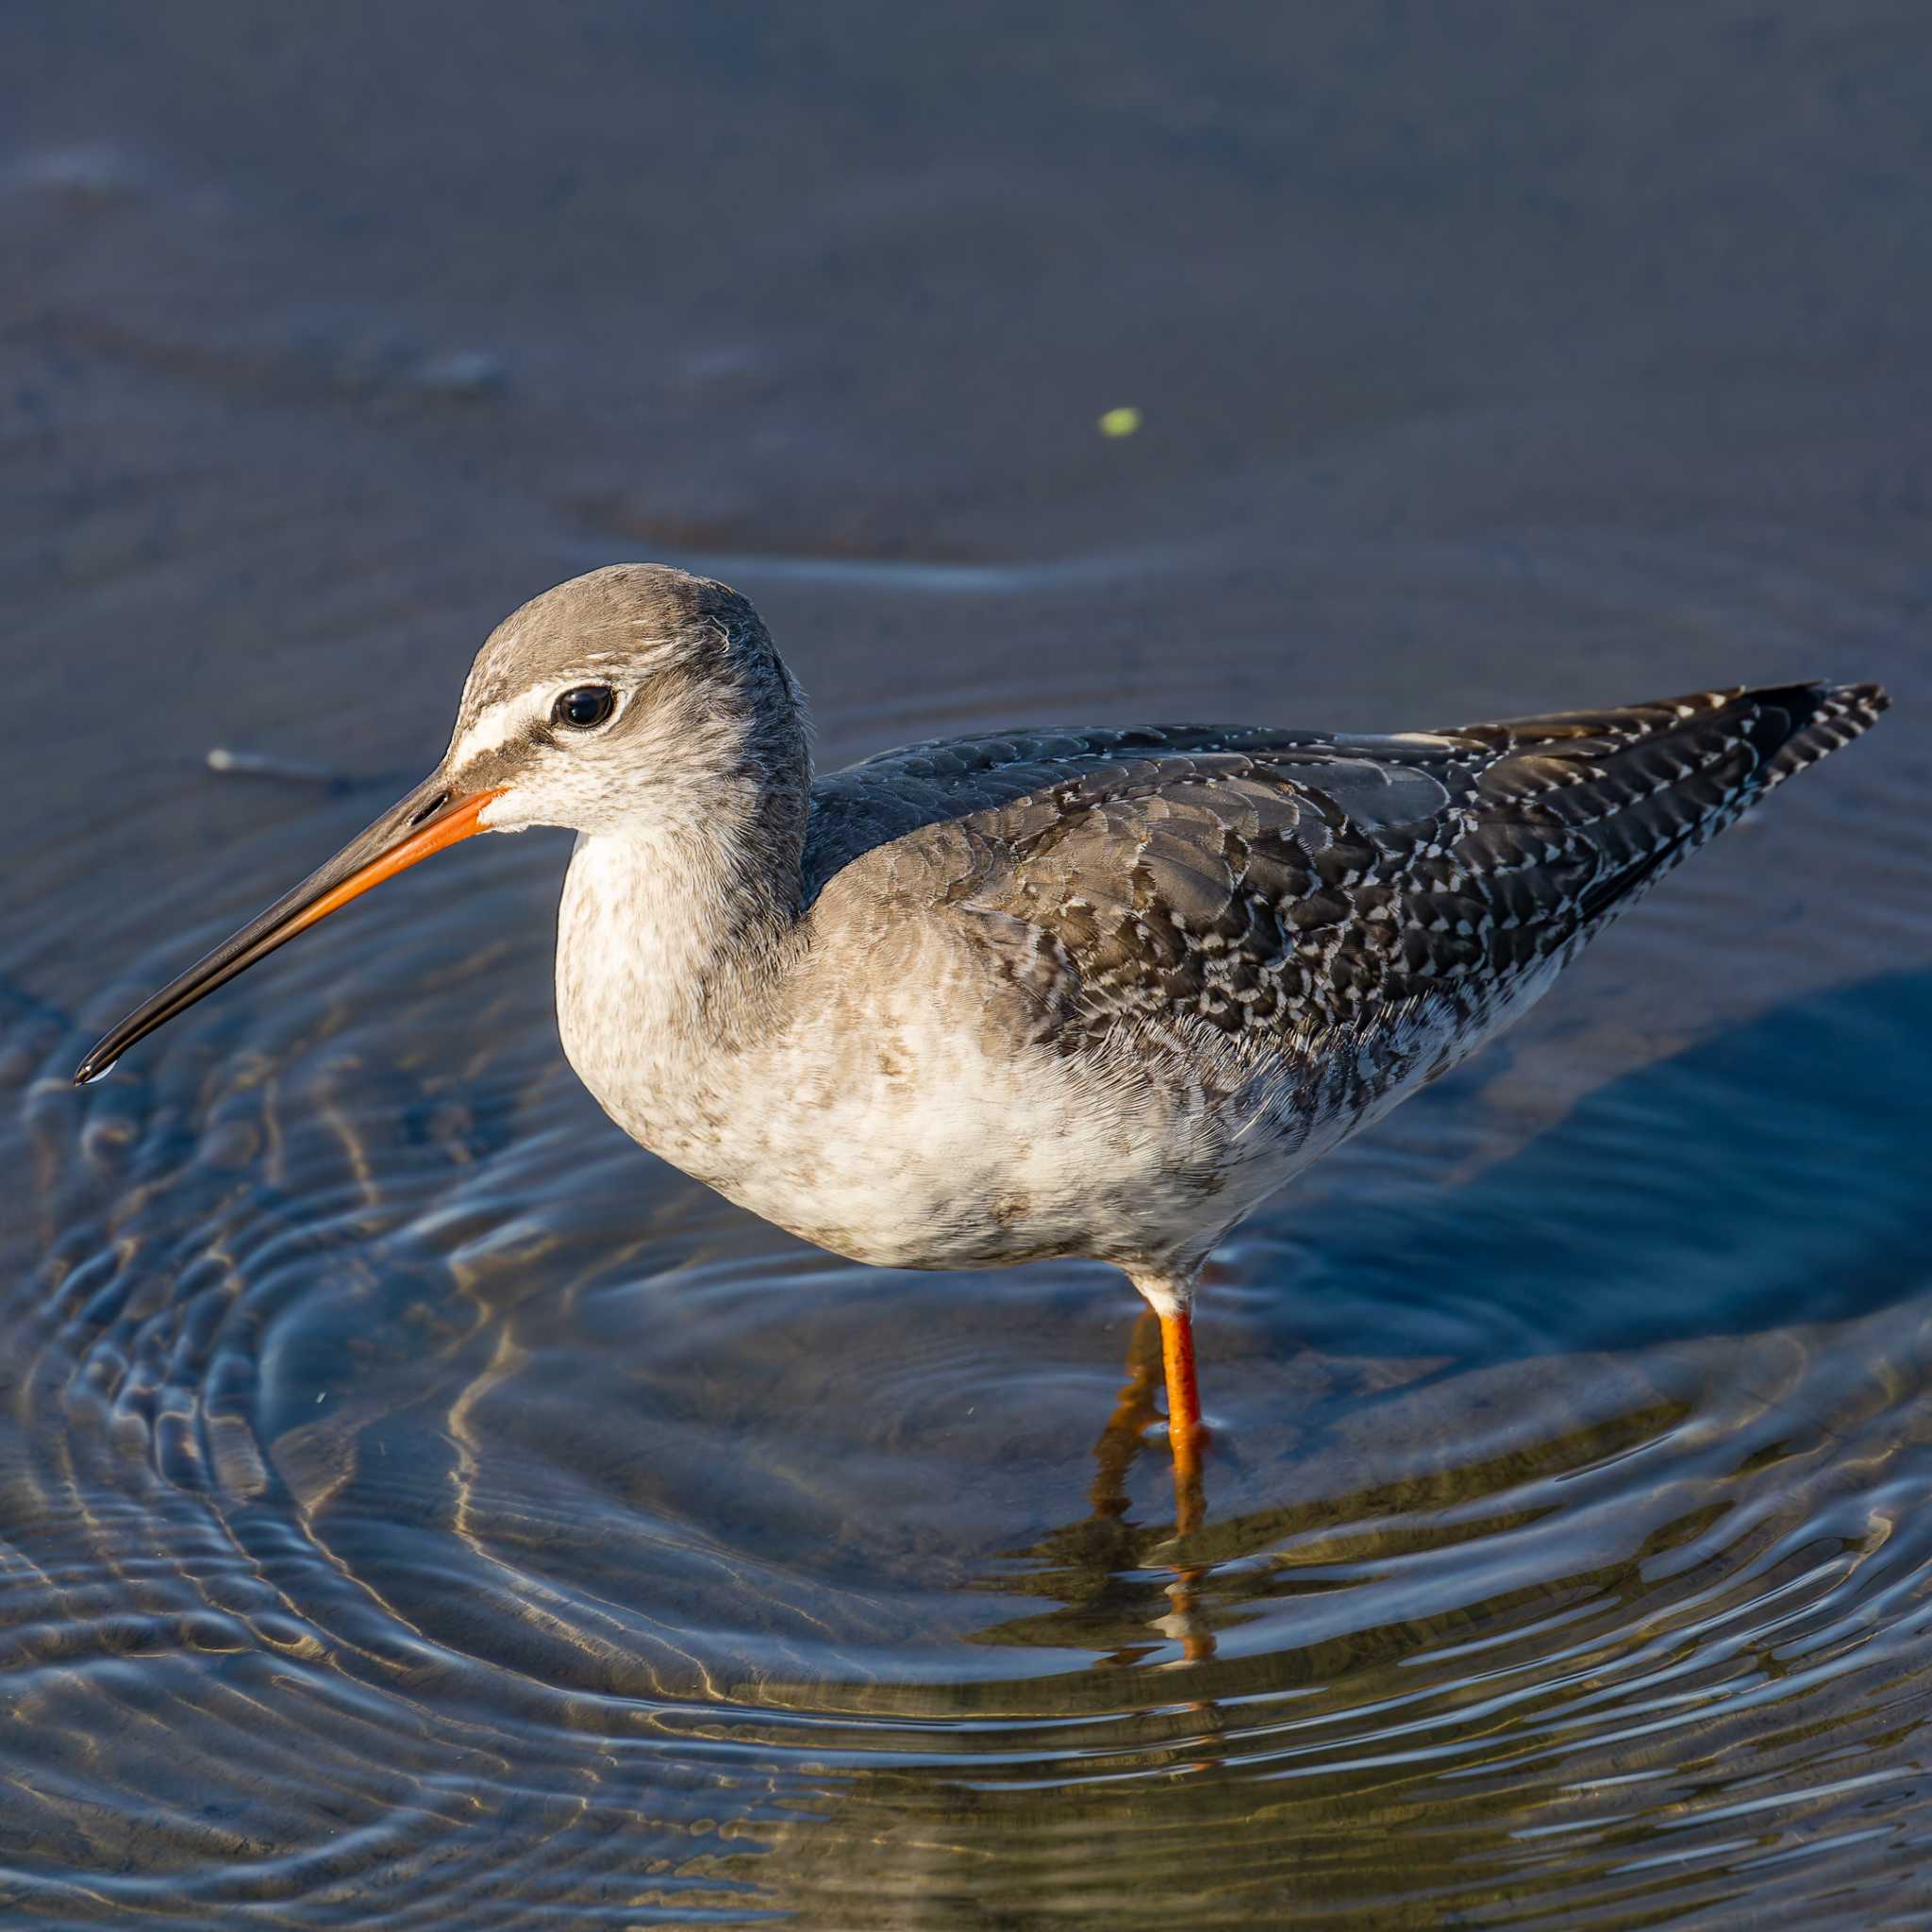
(492, 726)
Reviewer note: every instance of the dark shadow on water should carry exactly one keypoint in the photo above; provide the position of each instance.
(1779, 1173)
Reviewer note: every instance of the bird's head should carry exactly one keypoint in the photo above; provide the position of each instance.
(636, 700)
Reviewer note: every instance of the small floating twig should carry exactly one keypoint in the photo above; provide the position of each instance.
(268, 764)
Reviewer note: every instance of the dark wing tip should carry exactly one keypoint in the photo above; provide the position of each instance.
(1869, 698)
(1820, 718)
(1820, 697)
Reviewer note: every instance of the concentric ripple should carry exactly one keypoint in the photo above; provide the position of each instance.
(417, 1499)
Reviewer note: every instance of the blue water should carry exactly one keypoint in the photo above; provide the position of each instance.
(418, 1506)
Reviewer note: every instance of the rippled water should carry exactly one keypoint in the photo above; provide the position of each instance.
(418, 1507)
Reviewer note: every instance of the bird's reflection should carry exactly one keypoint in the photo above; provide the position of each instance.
(1124, 1434)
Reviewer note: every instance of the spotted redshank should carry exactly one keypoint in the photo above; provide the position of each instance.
(1040, 992)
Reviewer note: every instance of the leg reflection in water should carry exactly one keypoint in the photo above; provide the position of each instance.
(1124, 1434)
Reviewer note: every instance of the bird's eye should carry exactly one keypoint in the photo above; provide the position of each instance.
(584, 707)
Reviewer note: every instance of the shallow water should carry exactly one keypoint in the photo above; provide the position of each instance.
(416, 1503)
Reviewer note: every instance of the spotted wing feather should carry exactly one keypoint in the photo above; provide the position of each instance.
(1270, 882)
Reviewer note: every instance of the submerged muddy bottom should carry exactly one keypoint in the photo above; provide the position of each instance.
(418, 1506)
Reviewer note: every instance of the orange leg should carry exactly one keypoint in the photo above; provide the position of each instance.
(1184, 1431)
(1187, 1437)
(1169, 1296)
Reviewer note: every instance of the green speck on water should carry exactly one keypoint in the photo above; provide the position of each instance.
(1120, 422)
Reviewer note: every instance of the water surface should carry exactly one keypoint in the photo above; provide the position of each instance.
(416, 1503)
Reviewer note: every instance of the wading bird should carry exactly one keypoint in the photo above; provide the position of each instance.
(1033, 993)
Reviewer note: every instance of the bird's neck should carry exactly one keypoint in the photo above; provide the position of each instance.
(674, 941)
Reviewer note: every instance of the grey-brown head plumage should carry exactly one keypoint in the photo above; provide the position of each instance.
(707, 725)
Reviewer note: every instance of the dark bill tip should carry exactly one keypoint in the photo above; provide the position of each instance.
(427, 820)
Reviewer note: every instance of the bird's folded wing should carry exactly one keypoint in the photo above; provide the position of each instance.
(1272, 880)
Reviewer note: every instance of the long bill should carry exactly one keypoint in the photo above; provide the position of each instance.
(430, 818)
